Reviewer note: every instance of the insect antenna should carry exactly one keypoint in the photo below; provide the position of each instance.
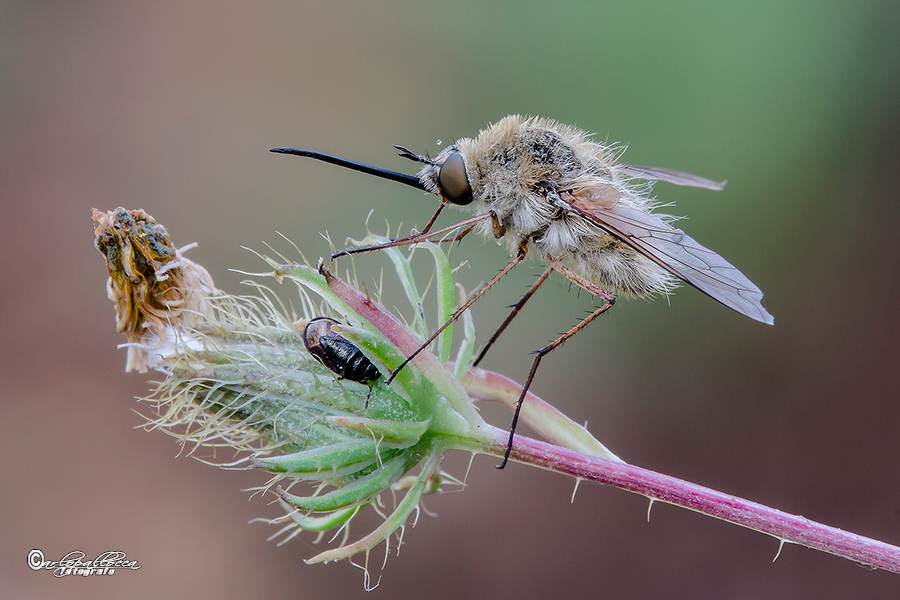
(407, 153)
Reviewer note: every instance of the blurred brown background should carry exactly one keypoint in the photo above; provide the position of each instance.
(171, 107)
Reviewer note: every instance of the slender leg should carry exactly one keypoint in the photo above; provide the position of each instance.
(460, 235)
(519, 258)
(583, 283)
(421, 237)
(512, 315)
(433, 218)
(428, 225)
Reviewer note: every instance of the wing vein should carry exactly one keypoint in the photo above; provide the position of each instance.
(677, 253)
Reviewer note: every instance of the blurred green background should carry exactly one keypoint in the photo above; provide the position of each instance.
(171, 107)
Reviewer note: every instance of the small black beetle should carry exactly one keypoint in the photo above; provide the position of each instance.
(338, 353)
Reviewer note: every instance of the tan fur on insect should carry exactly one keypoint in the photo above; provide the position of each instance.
(507, 160)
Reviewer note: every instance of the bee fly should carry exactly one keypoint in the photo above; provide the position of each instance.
(547, 188)
(338, 353)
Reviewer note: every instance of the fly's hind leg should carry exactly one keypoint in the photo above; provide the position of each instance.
(608, 301)
(512, 315)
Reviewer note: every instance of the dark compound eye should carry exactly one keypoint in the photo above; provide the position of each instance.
(453, 181)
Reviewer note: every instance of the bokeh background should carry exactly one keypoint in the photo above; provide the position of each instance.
(171, 107)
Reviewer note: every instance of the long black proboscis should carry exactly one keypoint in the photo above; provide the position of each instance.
(384, 173)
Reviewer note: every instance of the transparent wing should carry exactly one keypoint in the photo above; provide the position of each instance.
(679, 254)
(670, 176)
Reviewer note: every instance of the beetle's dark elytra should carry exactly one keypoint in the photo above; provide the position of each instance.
(338, 353)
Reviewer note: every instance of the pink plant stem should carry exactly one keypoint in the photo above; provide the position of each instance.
(789, 528)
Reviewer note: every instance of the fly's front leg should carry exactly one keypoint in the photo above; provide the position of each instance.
(467, 225)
